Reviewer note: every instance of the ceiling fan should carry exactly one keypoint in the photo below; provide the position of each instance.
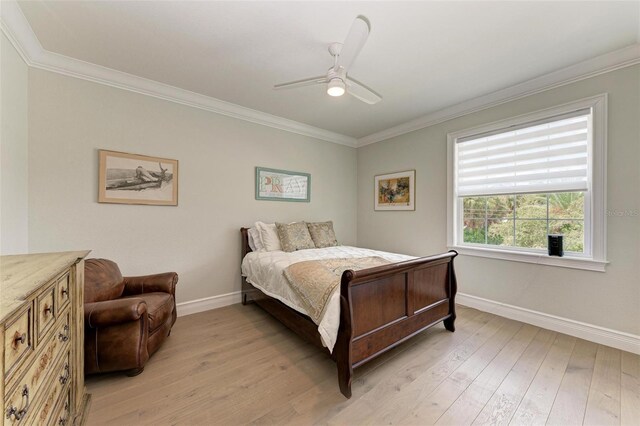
(337, 80)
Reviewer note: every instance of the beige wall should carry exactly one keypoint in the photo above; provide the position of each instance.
(70, 119)
(13, 150)
(610, 299)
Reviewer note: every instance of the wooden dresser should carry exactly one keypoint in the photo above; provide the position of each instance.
(42, 357)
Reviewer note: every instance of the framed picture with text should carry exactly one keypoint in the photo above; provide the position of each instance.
(282, 185)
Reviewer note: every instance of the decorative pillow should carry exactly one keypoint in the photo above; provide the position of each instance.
(269, 236)
(254, 239)
(322, 234)
(294, 236)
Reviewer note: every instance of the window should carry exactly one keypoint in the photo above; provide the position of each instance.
(524, 220)
(514, 182)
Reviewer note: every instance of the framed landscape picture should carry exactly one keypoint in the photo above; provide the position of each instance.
(282, 185)
(395, 191)
(137, 179)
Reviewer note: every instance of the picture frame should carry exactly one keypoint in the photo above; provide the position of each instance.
(395, 191)
(137, 179)
(282, 185)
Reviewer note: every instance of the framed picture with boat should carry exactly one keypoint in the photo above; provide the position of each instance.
(137, 179)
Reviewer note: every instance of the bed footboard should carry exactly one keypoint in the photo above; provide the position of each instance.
(379, 308)
(382, 307)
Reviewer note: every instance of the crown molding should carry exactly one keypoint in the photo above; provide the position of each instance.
(625, 57)
(20, 33)
(17, 29)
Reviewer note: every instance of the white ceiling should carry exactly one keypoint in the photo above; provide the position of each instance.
(421, 56)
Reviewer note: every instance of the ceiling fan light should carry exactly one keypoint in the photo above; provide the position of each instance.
(336, 87)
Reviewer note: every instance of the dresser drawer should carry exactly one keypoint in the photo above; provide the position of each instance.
(43, 411)
(18, 340)
(62, 292)
(40, 366)
(62, 413)
(25, 405)
(45, 311)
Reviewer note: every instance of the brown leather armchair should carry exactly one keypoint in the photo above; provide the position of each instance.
(126, 318)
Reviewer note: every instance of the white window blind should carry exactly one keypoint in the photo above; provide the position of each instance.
(545, 156)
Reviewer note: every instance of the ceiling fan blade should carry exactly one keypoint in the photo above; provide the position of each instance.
(354, 42)
(362, 92)
(301, 83)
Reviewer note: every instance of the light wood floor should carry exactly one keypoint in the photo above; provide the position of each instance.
(237, 365)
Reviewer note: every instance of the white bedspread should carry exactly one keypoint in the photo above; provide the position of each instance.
(265, 271)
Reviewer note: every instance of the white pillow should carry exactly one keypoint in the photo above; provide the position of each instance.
(268, 236)
(254, 240)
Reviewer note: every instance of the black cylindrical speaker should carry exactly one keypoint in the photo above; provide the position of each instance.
(554, 244)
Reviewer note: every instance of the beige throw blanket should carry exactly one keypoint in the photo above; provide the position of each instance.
(315, 280)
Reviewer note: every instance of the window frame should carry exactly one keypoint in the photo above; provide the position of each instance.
(595, 221)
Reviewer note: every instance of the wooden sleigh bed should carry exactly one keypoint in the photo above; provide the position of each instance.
(380, 308)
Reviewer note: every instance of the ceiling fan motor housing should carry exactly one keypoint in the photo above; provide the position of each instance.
(336, 78)
(338, 72)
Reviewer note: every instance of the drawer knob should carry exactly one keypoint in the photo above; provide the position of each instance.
(19, 414)
(47, 309)
(64, 291)
(19, 339)
(65, 377)
(63, 337)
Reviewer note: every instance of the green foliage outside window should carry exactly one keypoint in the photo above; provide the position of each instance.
(524, 220)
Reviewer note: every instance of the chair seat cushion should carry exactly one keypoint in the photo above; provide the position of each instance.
(159, 308)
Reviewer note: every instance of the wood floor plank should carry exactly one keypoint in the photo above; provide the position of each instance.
(322, 401)
(238, 365)
(504, 402)
(465, 409)
(216, 367)
(603, 405)
(266, 365)
(226, 392)
(206, 362)
(380, 405)
(537, 402)
(429, 410)
(222, 337)
(257, 398)
(630, 389)
(571, 401)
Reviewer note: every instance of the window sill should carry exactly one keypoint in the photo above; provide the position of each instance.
(541, 259)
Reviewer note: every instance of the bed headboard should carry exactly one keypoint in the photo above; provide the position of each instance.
(245, 241)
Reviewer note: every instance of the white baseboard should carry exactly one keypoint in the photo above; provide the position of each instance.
(605, 336)
(208, 303)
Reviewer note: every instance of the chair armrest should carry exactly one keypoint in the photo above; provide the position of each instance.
(164, 283)
(113, 312)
